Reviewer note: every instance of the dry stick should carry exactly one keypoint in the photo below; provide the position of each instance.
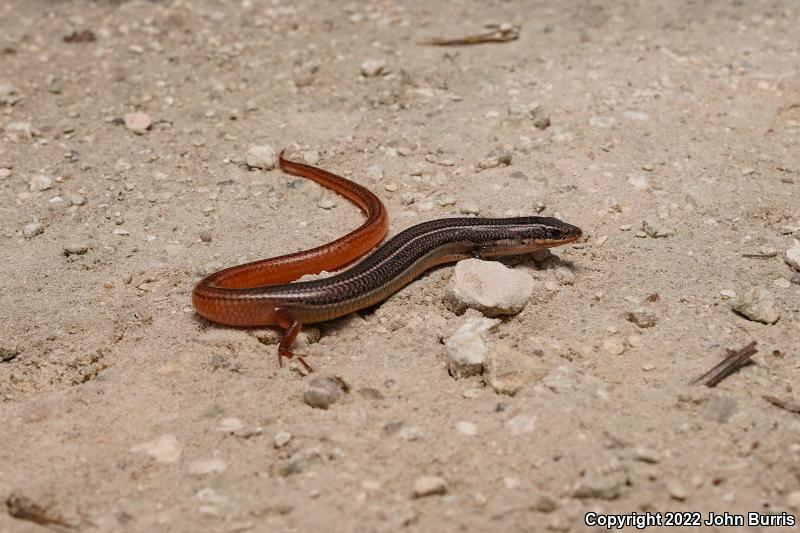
(735, 360)
(495, 36)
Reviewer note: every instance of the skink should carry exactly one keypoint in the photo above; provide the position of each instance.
(258, 293)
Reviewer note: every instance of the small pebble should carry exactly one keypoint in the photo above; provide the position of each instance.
(4, 173)
(727, 293)
(757, 304)
(40, 183)
(322, 392)
(138, 122)
(640, 183)
(326, 202)
(598, 487)
(165, 449)
(229, 425)
(614, 345)
(202, 467)
(375, 173)
(77, 199)
(8, 353)
(466, 350)
(75, 249)
(792, 256)
(467, 428)
(521, 424)
(261, 156)
(29, 231)
(302, 460)
(649, 167)
(646, 455)
(469, 208)
(545, 504)
(489, 287)
(281, 439)
(782, 283)
(373, 67)
(642, 317)
(625, 227)
(655, 230)
(391, 187)
(429, 486)
(677, 491)
(205, 236)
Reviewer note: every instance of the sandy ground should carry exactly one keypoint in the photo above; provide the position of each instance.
(123, 411)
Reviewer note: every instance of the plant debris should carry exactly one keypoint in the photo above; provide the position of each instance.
(735, 360)
(498, 33)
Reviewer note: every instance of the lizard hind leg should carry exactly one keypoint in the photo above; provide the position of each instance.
(292, 327)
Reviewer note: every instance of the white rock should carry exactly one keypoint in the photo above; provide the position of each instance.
(29, 231)
(757, 304)
(792, 256)
(429, 486)
(203, 467)
(138, 122)
(467, 428)
(638, 116)
(261, 156)
(281, 439)
(39, 183)
(165, 449)
(466, 349)
(229, 425)
(489, 287)
(521, 424)
(4, 173)
(373, 67)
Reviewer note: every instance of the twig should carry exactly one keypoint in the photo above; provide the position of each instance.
(735, 360)
(792, 406)
(496, 34)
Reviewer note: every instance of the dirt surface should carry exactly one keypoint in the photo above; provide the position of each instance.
(124, 411)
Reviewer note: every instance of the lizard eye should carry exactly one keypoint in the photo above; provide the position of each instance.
(555, 234)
